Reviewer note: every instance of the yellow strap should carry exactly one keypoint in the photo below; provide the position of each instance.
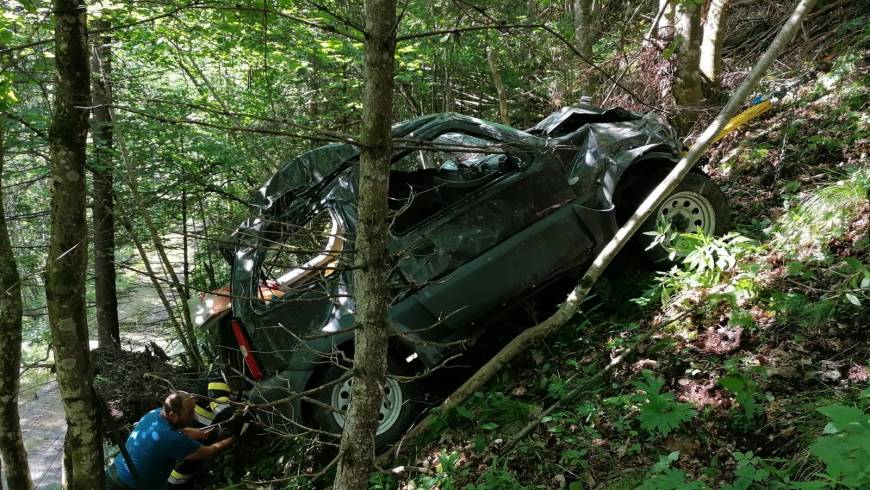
(743, 118)
(178, 476)
(205, 413)
(217, 386)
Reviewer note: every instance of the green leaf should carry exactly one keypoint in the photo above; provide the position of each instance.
(853, 299)
(28, 6)
(489, 426)
(842, 416)
(464, 412)
(665, 462)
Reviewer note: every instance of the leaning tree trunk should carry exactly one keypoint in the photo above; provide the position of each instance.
(67, 252)
(357, 450)
(687, 85)
(11, 444)
(566, 311)
(714, 36)
(108, 331)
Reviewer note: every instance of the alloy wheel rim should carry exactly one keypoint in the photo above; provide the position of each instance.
(391, 405)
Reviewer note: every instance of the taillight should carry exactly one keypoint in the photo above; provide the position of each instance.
(247, 351)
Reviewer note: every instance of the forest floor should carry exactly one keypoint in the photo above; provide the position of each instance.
(764, 382)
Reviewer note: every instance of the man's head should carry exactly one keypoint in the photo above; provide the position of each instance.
(178, 408)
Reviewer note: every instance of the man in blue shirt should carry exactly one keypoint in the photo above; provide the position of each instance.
(159, 440)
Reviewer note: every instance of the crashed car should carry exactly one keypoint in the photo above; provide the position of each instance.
(483, 216)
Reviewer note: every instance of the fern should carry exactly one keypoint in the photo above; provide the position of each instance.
(659, 412)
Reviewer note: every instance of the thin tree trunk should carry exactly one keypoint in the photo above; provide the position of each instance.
(185, 271)
(170, 311)
(503, 113)
(584, 34)
(572, 304)
(11, 444)
(663, 24)
(207, 263)
(713, 38)
(108, 330)
(584, 38)
(67, 252)
(687, 86)
(357, 450)
(188, 334)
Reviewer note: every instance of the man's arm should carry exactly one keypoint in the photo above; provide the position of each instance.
(205, 452)
(196, 434)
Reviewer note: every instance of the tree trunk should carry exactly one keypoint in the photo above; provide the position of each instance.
(584, 35)
(566, 310)
(67, 252)
(503, 113)
(584, 38)
(11, 444)
(687, 85)
(714, 36)
(663, 23)
(108, 331)
(357, 450)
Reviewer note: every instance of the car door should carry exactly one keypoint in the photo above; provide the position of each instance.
(476, 219)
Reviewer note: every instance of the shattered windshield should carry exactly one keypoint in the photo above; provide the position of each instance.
(301, 250)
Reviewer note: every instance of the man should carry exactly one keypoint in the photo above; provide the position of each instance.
(221, 416)
(159, 440)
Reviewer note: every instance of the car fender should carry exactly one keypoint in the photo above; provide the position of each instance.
(640, 167)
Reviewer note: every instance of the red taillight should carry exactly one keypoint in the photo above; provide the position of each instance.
(247, 351)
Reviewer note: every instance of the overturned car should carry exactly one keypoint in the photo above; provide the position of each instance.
(483, 216)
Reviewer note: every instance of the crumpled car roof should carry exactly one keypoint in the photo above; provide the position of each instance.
(614, 134)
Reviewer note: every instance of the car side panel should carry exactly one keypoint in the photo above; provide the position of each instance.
(482, 221)
(541, 251)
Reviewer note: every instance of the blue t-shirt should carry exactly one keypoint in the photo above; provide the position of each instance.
(154, 446)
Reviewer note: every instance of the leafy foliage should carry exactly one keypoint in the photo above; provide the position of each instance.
(845, 447)
(663, 477)
(746, 393)
(659, 412)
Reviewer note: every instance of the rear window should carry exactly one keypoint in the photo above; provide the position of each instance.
(302, 250)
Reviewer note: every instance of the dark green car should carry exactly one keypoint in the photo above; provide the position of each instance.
(484, 215)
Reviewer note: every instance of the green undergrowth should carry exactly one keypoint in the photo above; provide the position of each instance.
(762, 384)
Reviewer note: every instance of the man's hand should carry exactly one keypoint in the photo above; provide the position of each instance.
(205, 452)
(196, 434)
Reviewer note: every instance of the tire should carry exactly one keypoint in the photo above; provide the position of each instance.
(399, 410)
(696, 205)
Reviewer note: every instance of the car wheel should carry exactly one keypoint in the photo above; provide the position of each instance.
(399, 408)
(697, 205)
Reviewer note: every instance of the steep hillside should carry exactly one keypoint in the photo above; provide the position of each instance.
(763, 379)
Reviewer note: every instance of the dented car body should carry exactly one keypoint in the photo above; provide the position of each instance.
(483, 216)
